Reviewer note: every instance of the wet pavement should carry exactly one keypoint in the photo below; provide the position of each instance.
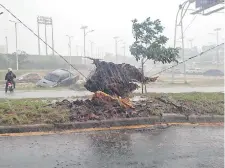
(71, 93)
(175, 147)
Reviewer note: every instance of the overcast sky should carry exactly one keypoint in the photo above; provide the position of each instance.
(108, 18)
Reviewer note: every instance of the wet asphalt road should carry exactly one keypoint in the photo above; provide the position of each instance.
(175, 147)
(70, 93)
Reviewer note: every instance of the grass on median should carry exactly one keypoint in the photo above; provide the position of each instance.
(193, 96)
(37, 111)
(30, 111)
(200, 103)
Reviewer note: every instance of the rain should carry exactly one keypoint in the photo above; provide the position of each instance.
(111, 83)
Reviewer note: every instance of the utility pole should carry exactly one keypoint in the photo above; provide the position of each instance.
(123, 59)
(46, 46)
(217, 43)
(182, 10)
(182, 36)
(124, 49)
(96, 52)
(6, 44)
(77, 50)
(69, 46)
(53, 52)
(7, 49)
(116, 47)
(116, 41)
(191, 40)
(91, 48)
(99, 55)
(85, 34)
(39, 47)
(84, 28)
(17, 59)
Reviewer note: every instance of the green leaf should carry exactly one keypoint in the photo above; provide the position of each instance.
(150, 42)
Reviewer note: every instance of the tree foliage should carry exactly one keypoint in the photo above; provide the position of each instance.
(3, 61)
(150, 43)
(22, 58)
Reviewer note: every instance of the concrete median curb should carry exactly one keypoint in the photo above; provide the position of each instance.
(153, 120)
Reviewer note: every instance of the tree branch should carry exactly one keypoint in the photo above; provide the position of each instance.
(145, 61)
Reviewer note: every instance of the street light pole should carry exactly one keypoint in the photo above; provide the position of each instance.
(53, 43)
(39, 47)
(7, 49)
(116, 41)
(85, 27)
(91, 48)
(6, 44)
(182, 11)
(46, 46)
(175, 38)
(77, 50)
(17, 59)
(124, 49)
(69, 45)
(191, 40)
(85, 34)
(182, 36)
(116, 47)
(217, 43)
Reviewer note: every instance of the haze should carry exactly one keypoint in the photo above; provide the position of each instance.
(108, 18)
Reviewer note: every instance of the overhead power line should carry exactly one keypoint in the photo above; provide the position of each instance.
(203, 52)
(81, 72)
(42, 40)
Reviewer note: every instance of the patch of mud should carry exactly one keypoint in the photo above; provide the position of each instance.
(98, 109)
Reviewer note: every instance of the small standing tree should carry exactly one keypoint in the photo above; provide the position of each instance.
(150, 44)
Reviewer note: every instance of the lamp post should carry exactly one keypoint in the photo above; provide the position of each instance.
(217, 43)
(116, 46)
(116, 41)
(17, 59)
(77, 50)
(69, 46)
(91, 42)
(124, 49)
(191, 42)
(7, 49)
(182, 10)
(85, 34)
(6, 44)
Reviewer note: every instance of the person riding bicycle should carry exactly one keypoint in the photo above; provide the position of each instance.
(9, 77)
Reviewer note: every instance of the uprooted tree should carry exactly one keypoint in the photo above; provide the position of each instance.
(150, 44)
(114, 79)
